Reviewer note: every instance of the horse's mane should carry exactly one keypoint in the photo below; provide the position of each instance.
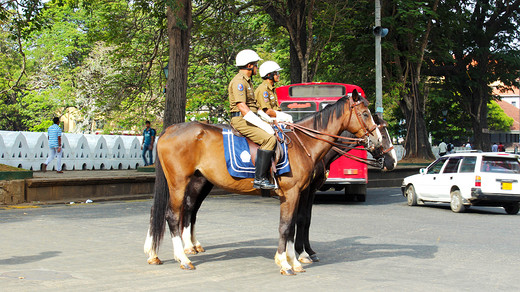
(322, 118)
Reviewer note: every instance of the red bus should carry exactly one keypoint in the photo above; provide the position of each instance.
(302, 99)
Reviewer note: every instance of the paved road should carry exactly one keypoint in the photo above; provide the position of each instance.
(380, 245)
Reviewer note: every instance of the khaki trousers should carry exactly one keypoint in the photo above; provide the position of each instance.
(255, 134)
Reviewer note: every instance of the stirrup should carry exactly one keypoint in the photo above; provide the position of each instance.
(263, 184)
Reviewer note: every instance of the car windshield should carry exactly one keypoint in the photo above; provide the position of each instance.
(500, 165)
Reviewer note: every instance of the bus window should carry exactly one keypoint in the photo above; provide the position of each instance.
(298, 110)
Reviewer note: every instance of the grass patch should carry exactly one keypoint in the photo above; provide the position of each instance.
(4, 167)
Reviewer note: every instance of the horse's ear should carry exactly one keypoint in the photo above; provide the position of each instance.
(376, 119)
(355, 95)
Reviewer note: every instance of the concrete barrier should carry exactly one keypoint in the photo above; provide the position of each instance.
(81, 151)
(17, 149)
(133, 152)
(29, 150)
(4, 155)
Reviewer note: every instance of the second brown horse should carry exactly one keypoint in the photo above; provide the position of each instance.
(193, 151)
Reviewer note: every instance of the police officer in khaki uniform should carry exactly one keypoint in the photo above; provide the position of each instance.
(244, 119)
(265, 94)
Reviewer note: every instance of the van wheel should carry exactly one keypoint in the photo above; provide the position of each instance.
(411, 196)
(456, 203)
(512, 209)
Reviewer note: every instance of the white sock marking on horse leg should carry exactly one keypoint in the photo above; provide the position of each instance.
(291, 254)
(148, 244)
(194, 238)
(281, 260)
(304, 255)
(178, 251)
(186, 237)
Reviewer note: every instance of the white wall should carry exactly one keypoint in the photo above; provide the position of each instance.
(29, 150)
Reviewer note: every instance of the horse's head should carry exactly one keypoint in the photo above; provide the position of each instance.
(386, 152)
(360, 122)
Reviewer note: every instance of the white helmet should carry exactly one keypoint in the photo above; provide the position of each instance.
(245, 57)
(268, 67)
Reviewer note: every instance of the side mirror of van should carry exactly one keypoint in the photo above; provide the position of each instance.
(422, 171)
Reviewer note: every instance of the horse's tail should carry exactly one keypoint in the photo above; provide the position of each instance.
(160, 205)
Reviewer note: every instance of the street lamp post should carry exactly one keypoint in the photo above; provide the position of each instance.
(379, 33)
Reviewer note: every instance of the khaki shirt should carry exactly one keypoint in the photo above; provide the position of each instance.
(240, 89)
(266, 96)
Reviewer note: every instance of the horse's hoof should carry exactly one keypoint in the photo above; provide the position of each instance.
(187, 266)
(305, 260)
(190, 251)
(315, 258)
(155, 261)
(299, 269)
(199, 248)
(288, 272)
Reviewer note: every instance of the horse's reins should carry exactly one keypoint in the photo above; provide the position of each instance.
(335, 145)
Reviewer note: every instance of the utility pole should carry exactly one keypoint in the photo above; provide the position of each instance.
(379, 75)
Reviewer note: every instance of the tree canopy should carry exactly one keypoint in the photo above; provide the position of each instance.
(102, 61)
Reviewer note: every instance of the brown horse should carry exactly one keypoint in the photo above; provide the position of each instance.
(189, 154)
(302, 244)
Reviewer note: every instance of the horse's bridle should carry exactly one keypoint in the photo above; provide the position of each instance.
(351, 143)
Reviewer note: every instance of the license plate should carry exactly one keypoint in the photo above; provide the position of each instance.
(507, 186)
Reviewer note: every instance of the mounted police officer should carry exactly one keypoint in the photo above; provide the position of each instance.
(244, 119)
(265, 94)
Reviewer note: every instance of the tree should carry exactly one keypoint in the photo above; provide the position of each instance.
(474, 48)
(179, 34)
(497, 118)
(310, 26)
(410, 25)
(212, 55)
(17, 20)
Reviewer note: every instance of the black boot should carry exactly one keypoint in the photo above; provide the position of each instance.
(263, 162)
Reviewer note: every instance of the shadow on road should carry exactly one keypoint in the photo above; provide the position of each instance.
(343, 250)
(472, 210)
(375, 196)
(18, 260)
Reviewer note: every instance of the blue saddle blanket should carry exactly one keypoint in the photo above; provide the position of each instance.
(238, 157)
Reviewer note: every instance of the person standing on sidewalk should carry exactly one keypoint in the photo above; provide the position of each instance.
(54, 136)
(443, 148)
(148, 140)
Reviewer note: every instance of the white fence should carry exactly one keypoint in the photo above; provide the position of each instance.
(29, 150)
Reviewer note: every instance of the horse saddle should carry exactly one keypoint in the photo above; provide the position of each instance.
(240, 154)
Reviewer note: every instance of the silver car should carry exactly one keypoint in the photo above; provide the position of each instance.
(466, 179)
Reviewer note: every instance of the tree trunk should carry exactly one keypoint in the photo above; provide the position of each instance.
(417, 144)
(179, 34)
(296, 68)
(480, 126)
(296, 23)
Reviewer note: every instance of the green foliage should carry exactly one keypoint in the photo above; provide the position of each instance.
(497, 119)
(212, 58)
(104, 58)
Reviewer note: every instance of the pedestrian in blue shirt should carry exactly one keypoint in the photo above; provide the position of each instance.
(54, 137)
(147, 146)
